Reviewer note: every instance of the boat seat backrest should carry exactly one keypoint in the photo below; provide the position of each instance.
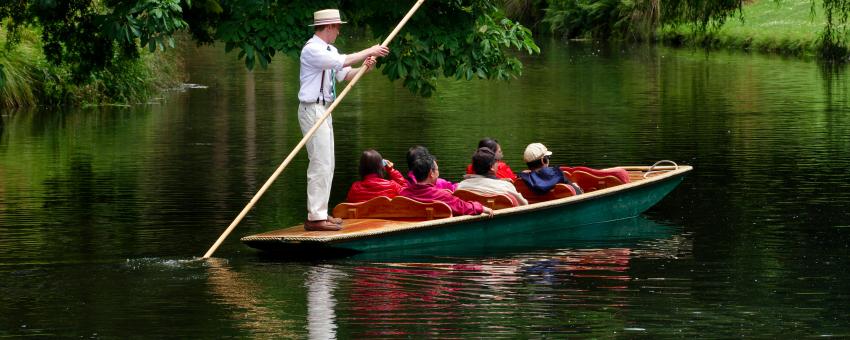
(560, 190)
(589, 182)
(620, 173)
(396, 208)
(492, 201)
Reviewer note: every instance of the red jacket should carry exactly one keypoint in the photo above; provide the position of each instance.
(504, 171)
(429, 193)
(373, 186)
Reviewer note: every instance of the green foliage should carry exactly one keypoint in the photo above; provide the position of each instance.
(458, 38)
(597, 18)
(21, 81)
(420, 58)
(603, 19)
(448, 38)
(834, 37)
(31, 80)
(636, 19)
(258, 29)
(703, 13)
(798, 27)
(632, 19)
(153, 22)
(530, 13)
(91, 35)
(704, 19)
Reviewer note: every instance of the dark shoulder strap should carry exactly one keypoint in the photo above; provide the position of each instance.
(321, 89)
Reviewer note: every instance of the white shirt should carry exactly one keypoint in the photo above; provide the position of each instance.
(318, 56)
(486, 186)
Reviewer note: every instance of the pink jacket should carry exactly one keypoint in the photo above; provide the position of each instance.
(441, 183)
(429, 193)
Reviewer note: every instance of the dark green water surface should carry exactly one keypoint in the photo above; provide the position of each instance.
(103, 210)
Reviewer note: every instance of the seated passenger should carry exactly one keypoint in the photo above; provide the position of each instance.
(417, 151)
(373, 182)
(503, 171)
(484, 180)
(540, 177)
(426, 172)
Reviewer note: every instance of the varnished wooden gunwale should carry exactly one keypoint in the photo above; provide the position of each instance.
(355, 229)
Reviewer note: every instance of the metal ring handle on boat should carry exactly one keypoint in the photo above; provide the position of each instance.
(660, 162)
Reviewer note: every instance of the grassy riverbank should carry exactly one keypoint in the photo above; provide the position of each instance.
(786, 26)
(31, 81)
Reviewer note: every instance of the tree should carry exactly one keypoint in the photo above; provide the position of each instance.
(835, 33)
(833, 38)
(91, 34)
(464, 39)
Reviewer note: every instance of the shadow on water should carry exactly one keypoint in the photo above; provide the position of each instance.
(622, 233)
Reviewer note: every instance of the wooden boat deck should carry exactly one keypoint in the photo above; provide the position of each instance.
(363, 228)
(350, 227)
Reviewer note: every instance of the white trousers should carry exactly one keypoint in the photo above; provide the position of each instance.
(320, 152)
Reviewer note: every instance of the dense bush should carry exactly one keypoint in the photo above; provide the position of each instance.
(588, 18)
(30, 80)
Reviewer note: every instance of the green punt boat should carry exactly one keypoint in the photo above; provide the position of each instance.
(648, 185)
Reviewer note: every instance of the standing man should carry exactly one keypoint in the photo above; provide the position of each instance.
(321, 67)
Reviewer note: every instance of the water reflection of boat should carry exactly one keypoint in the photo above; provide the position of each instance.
(527, 286)
(535, 223)
(444, 296)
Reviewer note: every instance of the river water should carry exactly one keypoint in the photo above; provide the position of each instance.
(104, 210)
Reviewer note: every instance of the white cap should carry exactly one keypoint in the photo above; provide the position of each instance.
(535, 151)
(326, 17)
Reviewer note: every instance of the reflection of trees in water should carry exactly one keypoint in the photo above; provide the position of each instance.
(3, 207)
(239, 292)
(835, 84)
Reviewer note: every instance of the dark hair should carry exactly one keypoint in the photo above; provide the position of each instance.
(415, 152)
(492, 144)
(422, 166)
(489, 143)
(536, 164)
(371, 162)
(483, 160)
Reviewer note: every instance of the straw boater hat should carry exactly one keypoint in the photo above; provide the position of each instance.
(326, 17)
